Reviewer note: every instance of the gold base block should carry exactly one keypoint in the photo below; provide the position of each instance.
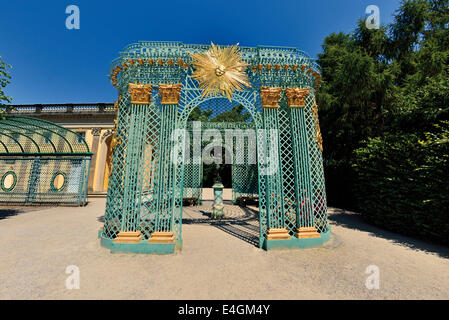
(278, 234)
(307, 233)
(128, 237)
(162, 237)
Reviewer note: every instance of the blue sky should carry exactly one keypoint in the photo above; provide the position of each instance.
(52, 64)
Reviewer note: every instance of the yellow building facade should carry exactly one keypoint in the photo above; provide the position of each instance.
(94, 122)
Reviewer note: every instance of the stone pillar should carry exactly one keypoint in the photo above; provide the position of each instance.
(94, 149)
(103, 151)
(274, 197)
(164, 193)
(305, 224)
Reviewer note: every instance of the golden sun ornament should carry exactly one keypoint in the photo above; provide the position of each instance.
(220, 70)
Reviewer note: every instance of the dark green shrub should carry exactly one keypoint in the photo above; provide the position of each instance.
(403, 183)
(340, 177)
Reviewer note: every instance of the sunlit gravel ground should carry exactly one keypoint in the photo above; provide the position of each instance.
(218, 261)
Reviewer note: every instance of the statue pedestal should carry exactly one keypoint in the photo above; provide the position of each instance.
(218, 207)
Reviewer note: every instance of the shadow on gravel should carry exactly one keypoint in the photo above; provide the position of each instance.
(244, 227)
(355, 221)
(6, 213)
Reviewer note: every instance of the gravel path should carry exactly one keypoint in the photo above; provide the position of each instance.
(218, 261)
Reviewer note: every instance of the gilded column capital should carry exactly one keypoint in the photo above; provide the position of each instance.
(95, 132)
(106, 134)
(270, 97)
(296, 97)
(140, 93)
(170, 93)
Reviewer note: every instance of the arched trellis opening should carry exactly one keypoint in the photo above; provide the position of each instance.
(233, 125)
(156, 97)
(218, 106)
(236, 159)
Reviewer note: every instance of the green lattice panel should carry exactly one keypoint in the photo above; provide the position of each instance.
(317, 172)
(288, 169)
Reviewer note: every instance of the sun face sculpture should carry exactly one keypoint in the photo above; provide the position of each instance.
(220, 70)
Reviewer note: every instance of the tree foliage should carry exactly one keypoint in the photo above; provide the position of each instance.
(4, 81)
(381, 82)
(403, 183)
(236, 114)
(210, 171)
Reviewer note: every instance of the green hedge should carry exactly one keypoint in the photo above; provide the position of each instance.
(403, 184)
(340, 177)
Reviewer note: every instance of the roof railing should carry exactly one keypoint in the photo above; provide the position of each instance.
(60, 108)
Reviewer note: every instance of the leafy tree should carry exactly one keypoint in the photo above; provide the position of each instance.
(236, 114)
(354, 102)
(424, 99)
(4, 80)
(382, 82)
(198, 114)
(210, 172)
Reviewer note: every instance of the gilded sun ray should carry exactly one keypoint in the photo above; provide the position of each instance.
(220, 70)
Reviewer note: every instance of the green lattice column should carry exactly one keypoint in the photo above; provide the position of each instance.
(304, 193)
(133, 154)
(273, 177)
(114, 198)
(197, 164)
(316, 163)
(200, 184)
(193, 174)
(165, 183)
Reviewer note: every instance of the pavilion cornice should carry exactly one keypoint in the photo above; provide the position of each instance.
(279, 66)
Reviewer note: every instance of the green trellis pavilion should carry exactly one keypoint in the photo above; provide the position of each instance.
(159, 85)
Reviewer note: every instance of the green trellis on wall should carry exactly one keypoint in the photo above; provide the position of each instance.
(42, 163)
(150, 176)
